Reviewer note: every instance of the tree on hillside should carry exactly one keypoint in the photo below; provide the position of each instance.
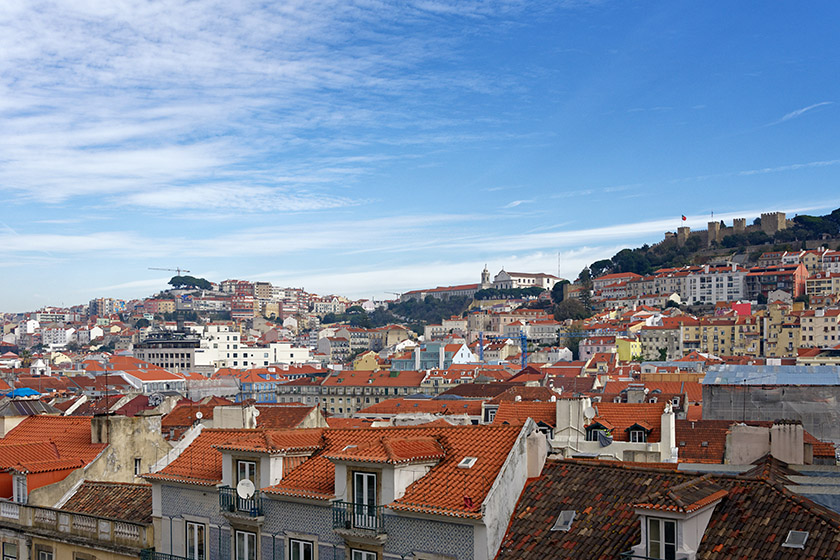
(571, 309)
(585, 278)
(599, 268)
(190, 282)
(557, 291)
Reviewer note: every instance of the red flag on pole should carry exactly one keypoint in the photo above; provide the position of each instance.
(684, 218)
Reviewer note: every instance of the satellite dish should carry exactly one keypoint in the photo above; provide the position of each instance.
(245, 489)
(199, 415)
(589, 413)
(256, 412)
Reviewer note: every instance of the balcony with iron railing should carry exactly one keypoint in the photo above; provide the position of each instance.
(94, 528)
(230, 502)
(358, 518)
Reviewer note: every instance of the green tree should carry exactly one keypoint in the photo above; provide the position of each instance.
(585, 278)
(557, 291)
(599, 268)
(571, 309)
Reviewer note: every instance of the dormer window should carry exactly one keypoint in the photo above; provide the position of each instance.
(662, 538)
(637, 433)
(593, 431)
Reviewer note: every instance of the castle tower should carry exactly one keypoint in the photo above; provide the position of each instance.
(682, 235)
(773, 222)
(713, 233)
(739, 225)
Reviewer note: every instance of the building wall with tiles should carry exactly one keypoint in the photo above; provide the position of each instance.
(405, 535)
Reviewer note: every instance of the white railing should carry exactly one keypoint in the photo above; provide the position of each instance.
(95, 528)
(10, 510)
(45, 516)
(84, 523)
(127, 531)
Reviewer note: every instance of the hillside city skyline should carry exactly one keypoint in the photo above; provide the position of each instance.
(365, 151)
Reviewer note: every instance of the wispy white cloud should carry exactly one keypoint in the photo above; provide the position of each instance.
(515, 203)
(800, 112)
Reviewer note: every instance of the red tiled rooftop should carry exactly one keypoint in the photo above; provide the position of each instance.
(516, 413)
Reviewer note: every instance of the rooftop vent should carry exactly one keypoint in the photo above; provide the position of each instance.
(795, 539)
(467, 462)
(564, 520)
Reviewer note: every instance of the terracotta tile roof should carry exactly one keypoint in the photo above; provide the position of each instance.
(69, 436)
(375, 379)
(479, 390)
(747, 523)
(524, 393)
(443, 490)
(403, 405)
(184, 415)
(693, 390)
(277, 417)
(684, 498)
(516, 413)
(117, 500)
(571, 385)
(274, 441)
(200, 463)
(393, 451)
(342, 423)
(622, 416)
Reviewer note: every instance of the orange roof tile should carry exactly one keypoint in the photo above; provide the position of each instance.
(68, 436)
(404, 405)
(434, 493)
(516, 413)
(392, 451)
(624, 415)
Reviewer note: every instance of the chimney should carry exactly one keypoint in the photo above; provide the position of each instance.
(100, 429)
(668, 450)
(787, 441)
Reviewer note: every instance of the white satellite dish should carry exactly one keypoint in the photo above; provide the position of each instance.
(245, 489)
(256, 412)
(199, 415)
(589, 413)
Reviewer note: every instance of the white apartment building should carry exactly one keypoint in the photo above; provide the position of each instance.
(221, 347)
(505, 280)
(712, 284)
(57, 337)
(819, 328)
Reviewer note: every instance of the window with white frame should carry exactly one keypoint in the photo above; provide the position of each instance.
(20, 492)
(196, 541)
(9, 551)
(662, 538)
(301, 550)
(638, 436)
(246, 545)
(357, 554)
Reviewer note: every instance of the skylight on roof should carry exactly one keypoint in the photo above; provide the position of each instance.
(467, 462)
(795, 539)
(564, 520)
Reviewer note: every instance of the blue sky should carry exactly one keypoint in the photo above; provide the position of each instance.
(370, 147)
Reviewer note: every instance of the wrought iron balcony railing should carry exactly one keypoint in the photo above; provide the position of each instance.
(229, 501)
(350, 516)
